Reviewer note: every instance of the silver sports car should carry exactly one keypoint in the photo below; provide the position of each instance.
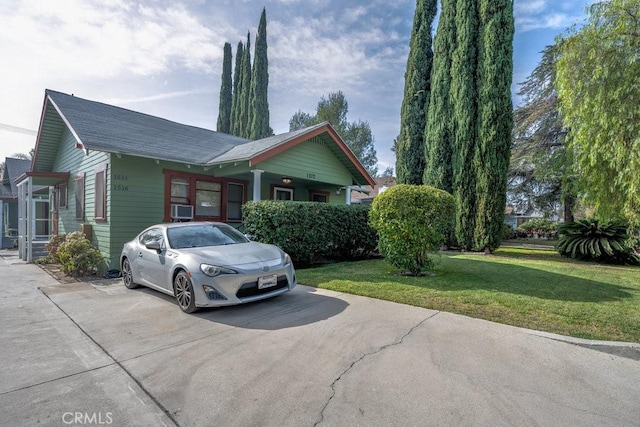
(205, 264)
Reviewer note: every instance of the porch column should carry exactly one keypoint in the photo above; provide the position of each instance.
(257, 184)
(30, 222)
(348, 195)
(22, 231)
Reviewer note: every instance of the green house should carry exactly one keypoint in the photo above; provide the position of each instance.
(111, 172)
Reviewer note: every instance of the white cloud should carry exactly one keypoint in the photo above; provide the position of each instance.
(542, 14)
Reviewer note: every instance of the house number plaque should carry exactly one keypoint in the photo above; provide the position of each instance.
(311, 175)
(120, 187)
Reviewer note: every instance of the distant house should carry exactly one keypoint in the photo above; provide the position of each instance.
(112, 172)
(13, 168)
(516, 219)
(366, 193)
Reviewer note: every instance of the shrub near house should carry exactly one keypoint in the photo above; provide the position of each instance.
(412, 221)
(308, 231)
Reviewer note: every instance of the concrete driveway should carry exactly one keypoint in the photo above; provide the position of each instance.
(102, 352)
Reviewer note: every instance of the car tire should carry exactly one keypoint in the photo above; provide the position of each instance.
(183, 291)
(127, 275)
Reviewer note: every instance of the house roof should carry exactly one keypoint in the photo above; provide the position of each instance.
(103, 127)
(13, 168)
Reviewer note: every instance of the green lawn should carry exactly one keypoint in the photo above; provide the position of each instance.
(531, 288)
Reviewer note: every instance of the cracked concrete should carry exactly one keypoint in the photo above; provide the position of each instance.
(310, 357)
(398, 342)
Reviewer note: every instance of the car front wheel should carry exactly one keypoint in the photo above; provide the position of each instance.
(183, 290)
(127, 275)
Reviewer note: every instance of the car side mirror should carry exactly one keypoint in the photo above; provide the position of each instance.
(248, 236)
(154, 246)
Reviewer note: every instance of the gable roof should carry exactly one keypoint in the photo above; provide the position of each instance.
(102, 127)
(13, 168)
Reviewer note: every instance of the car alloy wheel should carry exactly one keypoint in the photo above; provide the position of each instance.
(183, 290)
(127, 275)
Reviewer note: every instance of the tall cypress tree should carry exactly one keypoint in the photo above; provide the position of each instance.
(226, 93)
(464, 94)
(495, 120)
(259, 84)
(410, 150)
(244, 115)
(439, 130)
(237, 89)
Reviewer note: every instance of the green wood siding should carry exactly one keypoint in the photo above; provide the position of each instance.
(309, 160)
(75, 161)
(137, 199)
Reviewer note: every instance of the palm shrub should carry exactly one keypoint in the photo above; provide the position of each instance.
(412, 222)
(78, 257)
(589, 239)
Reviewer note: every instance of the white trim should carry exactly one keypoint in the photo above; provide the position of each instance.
(257, 184)
(284, 190)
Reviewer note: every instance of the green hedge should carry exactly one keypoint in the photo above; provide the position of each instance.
(308, 231)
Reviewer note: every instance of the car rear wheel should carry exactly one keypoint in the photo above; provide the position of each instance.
(127, 275)
(183, 290)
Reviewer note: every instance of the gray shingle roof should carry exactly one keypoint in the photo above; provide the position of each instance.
(253, 148)
(104, 127)
(13, 168)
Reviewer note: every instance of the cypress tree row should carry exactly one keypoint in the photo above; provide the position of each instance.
(259, 104)
(244, 114)
(237, 89)
(224, 109)
(410, 150)
(465, 106)
(438, 137)
(495, 120)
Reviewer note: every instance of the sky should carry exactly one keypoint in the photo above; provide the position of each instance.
(164, 57)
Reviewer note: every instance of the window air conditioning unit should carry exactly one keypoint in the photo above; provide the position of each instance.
(181, 211)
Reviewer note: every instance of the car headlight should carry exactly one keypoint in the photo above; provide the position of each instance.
(286, 259)
(215, 270)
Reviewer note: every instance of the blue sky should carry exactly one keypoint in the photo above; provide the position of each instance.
(164, 57)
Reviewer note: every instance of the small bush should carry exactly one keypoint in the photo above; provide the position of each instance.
(412, 221)
(507, 232)
(309, 230)
(591, 240)
(542, 226)
(52, 247)
(78, 257)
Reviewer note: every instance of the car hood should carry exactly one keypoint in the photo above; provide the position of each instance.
(237, 254)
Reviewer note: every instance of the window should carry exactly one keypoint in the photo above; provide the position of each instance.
(235, 199)
(100, 205)
(281, 193)
(208, 198)
(180, 191)
(79, 193)
(319, 196)
(151, 236)
(212, 198)
(62, 196)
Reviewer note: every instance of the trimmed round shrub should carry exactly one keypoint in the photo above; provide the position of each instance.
(78, 257)
(591, 240)
(412, 222)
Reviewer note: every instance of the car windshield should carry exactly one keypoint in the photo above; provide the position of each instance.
(201, 235)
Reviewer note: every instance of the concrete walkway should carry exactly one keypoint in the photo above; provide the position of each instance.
(310, 357)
